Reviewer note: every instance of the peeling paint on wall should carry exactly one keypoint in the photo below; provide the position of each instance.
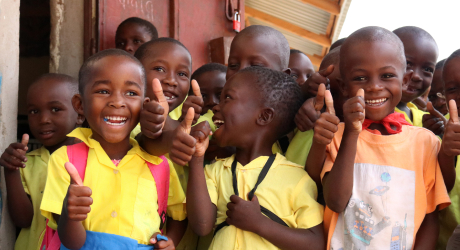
(57, 18)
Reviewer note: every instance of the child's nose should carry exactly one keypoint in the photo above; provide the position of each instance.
(170, 80)
(416, 76)
(128, 47)
(45, 118)
(117, 101)
(212, 101)
(216, 109)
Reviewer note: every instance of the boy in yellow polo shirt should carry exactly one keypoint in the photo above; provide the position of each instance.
(51, 117)
(118, 195)
(271, 202)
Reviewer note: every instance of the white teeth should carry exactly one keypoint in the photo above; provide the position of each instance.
(116, 124)
(121, 120)
(170, 98)
(376, 101)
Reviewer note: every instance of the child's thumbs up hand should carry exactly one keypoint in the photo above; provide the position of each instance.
(14, 156)
(434, 121)
(327, 124)
(201, 133)
(183, 144)
(78, 199)
(194, 101)
(311, 85)
(451, 138)
(245, 215)
(310, 111)
(154, 112)
(354, 112)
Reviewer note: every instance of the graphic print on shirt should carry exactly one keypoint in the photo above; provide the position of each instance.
(380, 212)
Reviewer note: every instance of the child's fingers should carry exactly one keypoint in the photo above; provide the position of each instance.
(17, 150)
(158, 91)
(361, 93)
(25, 139)
(74, 176)
(319, 100)
(186, 124)
(435, 113)
(196, 89)
(329, 102)
(453, 111)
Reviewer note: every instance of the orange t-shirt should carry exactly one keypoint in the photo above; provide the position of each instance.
(396, 182)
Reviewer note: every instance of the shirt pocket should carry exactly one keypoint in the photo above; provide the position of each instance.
(146, 219)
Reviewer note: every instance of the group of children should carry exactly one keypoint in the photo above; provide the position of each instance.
(264, 153)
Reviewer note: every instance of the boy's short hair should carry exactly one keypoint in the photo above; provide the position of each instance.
(414, 31)
(275, 37)
(440, 64)
(208, 68)
(145, 49)
(280, 92)
(372, 34)
(295, 51)
(337, 43)
(454, 55)
(71, 82)
(85, 71)
(331, 58)
(141, 22)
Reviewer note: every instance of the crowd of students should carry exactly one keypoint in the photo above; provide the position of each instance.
(264, 153)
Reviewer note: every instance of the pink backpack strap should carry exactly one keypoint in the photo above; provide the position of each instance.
(160, 174)
(78, 156)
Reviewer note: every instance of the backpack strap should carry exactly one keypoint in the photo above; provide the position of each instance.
(160, 174)
(78, 156)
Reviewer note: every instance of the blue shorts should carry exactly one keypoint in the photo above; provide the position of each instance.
(105, 241)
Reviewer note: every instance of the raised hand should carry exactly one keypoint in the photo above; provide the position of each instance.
(327, 124)
(154, 112)
(354, 112)
(183, 144)
(193, 101)
(245, 215)
(201, 133)
(78, 199)
(310, 111)
(14, 156)
(451, 138)
(435, 121)
(311, 85)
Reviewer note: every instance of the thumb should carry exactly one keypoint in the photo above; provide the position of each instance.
(453, 111)
(361, 93)
(196, 88)
(327, 71)
(186, 124)
(158, 92)
(25, 139)
(255, 199)
(329, 102)
(319, 100)
(74, 176)
(434, 112)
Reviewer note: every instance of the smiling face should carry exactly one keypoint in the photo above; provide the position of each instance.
(130, 36)
(250, 50)
(113, 98)
(211, 85)
(171, 64)
(238, 111)
(375, 67)
(421, 55)
(301, 67)
(451, 78)
(436, 95)
(50, 112)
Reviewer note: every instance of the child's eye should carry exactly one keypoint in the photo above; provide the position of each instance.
(33, 111)
(294, 76)
(233, 66)
(182, 74)
(429, 69)
(55, 110)
(120, 44)
(308, 75)
(388, 75)
(132, 93)
(409, 64)
(159, 69)
(137, 41)
(359, 78)
(102, 91)
(452, 90)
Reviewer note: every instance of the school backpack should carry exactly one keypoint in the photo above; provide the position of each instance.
(78, 156)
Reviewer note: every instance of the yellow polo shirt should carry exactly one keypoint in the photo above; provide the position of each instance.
(287, 191)
(33, 180)
(417, 115)
(124, 197)
(299, 147)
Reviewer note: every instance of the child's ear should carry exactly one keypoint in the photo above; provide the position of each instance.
(342, 86)
(406, 78)
(77, 104)
(287, 71)
(80, 119)
(266, 116)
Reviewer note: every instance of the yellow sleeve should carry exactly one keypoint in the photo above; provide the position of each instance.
(176, 197)
(436, 192)
(57, 183)
(208, 117)
(299, 147)
(23, 179)
(308, 213)
(210, 174)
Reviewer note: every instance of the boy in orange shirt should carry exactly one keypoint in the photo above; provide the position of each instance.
(380, 192)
